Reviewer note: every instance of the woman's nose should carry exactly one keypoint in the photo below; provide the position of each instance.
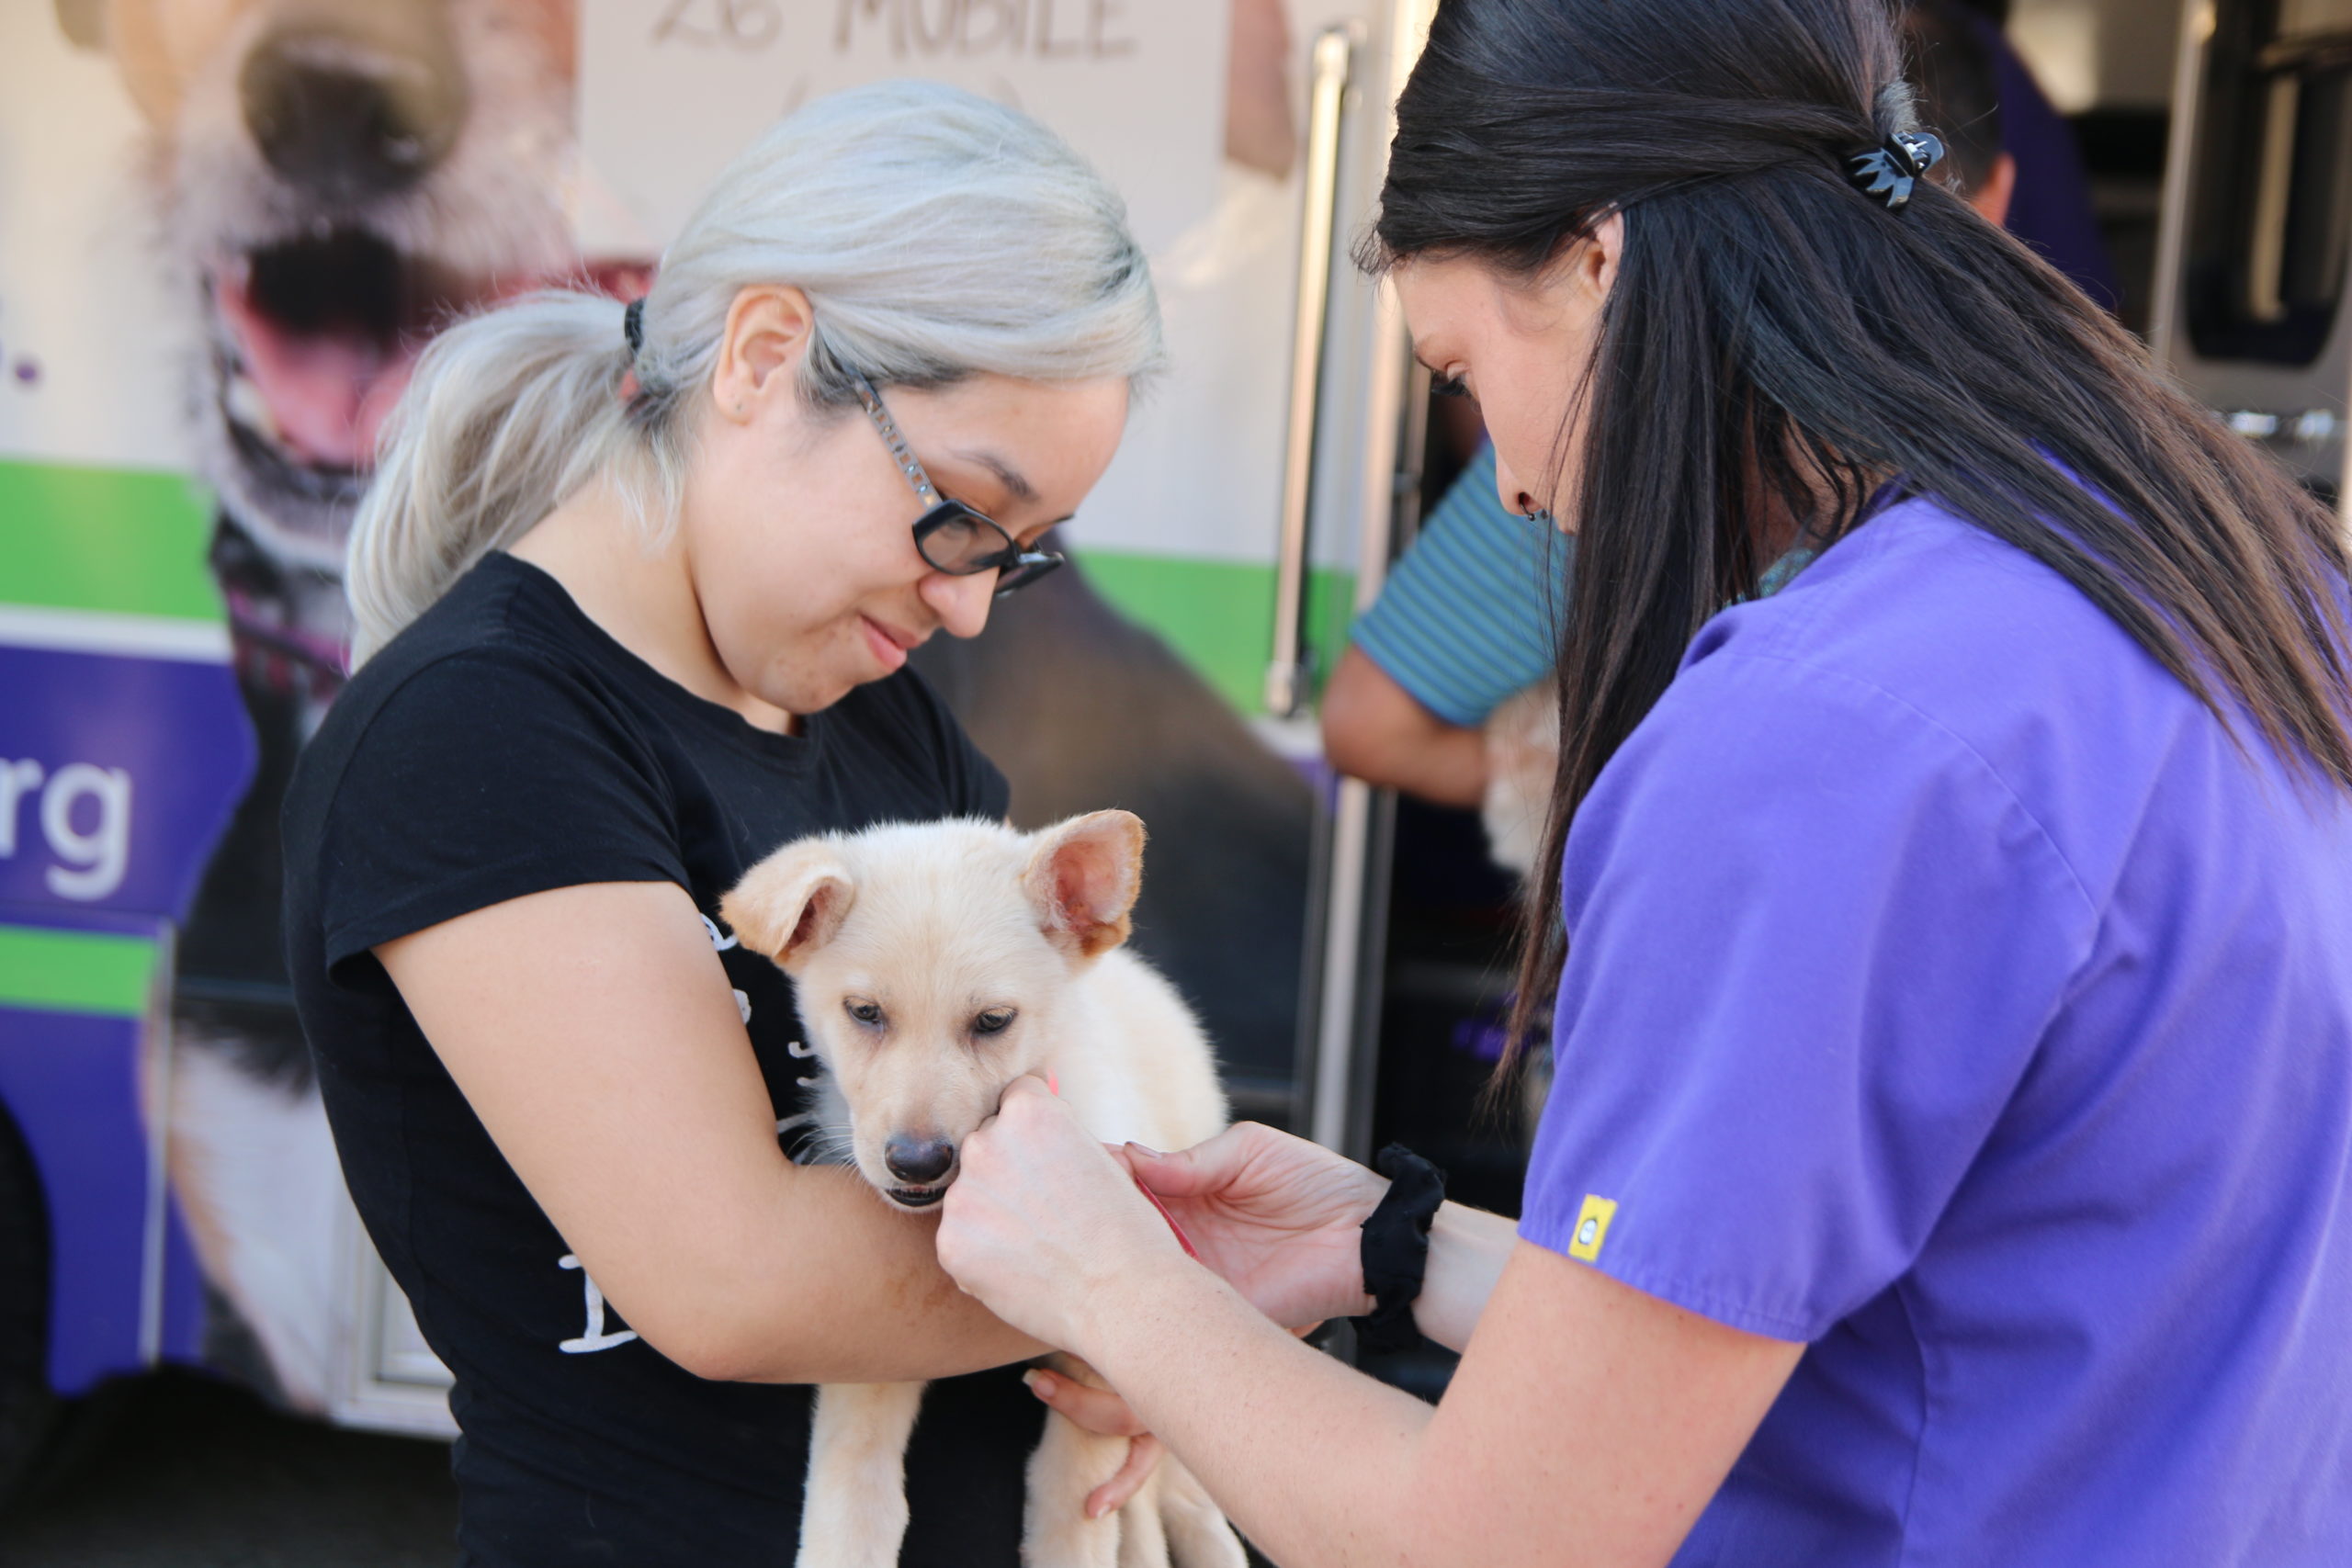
(960, 602)
(1507, 489)
(1519, 499)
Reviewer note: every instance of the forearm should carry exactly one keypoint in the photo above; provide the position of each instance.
(1588, 1427)
(820, 1280)
(1315, 1462)
(1468, 1249)
(1588, 1423)
(592, 1030)
(1376, 730)
(1441, 764)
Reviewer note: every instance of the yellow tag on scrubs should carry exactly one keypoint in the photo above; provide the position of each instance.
(1592, 1228)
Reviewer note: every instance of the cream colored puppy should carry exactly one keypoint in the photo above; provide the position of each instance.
(933, 965)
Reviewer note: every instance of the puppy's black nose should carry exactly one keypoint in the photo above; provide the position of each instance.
(351, 110)
(918, 1159)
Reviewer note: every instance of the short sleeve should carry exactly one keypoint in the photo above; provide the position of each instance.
(486, 777)
(1469, 614)
(1814, 942)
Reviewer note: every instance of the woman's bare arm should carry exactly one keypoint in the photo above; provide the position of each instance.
(1469, 1251)
(1376, 730)
(1587, 1426)
(593, 1031)
(1283, 1220)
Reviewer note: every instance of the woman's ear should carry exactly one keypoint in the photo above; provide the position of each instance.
(1992, 199)
(767, 333)
(1597, 263)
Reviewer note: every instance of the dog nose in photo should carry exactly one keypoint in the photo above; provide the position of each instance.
(918, 1159)
(352, 112)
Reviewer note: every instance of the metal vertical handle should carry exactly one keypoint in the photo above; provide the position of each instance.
(1286, 672)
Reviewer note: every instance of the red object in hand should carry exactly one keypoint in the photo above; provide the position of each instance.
(1181, 1239)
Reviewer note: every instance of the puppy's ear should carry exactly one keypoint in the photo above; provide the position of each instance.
(1083, 876)
(791, 903)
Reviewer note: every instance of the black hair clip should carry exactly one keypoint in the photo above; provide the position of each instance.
(633, 326)
(1887, 171)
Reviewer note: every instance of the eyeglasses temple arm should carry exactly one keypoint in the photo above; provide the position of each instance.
(900, 452)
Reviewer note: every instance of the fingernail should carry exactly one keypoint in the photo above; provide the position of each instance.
(1144, 1149)
(1096, 1510)
(1040, 1383)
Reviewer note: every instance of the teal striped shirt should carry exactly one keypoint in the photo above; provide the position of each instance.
(1471, 613)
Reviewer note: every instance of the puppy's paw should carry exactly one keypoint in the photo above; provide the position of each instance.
(1198, 1533)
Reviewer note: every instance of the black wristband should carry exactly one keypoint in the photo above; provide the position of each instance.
(1395, 1247)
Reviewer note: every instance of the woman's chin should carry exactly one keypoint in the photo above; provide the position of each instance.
(815, 692)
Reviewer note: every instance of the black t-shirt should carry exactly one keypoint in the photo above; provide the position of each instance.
(505, 745)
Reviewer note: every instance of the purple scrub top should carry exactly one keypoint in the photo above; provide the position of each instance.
(1949, 992)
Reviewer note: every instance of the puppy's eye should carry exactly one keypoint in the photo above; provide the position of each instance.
(996, 1021)
(865, 1012)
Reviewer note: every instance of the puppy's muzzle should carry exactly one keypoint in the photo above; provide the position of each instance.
(923, 1164)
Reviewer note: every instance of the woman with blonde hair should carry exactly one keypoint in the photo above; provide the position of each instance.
(636, 588)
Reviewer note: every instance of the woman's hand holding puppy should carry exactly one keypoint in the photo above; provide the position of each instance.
(1042, 1213)
(1041, 1216)
(1279, 1217)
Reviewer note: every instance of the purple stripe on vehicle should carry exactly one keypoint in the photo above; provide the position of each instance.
(72, 1082)
(116, 776)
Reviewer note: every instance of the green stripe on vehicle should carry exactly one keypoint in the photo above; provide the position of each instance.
(125, 542)
(1219, 616)
(112, 540)
(93, 972)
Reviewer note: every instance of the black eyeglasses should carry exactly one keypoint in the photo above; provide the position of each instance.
(949, 535)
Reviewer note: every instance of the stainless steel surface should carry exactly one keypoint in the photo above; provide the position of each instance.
(2188, 78)
(1327, 96)
(155, 1086)
(1343, 1048)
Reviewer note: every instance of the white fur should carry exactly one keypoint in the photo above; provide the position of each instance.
(1523, 753)
(253, 1167)
(938, 925)
(493, 208)
(251, 1162)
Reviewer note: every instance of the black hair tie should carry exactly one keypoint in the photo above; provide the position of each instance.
(1395, 1250)
(633, 326)
(1888, 172)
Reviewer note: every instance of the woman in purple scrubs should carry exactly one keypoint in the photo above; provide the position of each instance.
(1948, 956)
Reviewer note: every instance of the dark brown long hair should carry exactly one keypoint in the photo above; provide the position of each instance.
(1775, 337)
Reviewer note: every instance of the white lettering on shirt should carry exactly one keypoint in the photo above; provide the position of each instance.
(596, 1338)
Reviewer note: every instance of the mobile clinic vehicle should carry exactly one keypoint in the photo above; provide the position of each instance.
(225, 227)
